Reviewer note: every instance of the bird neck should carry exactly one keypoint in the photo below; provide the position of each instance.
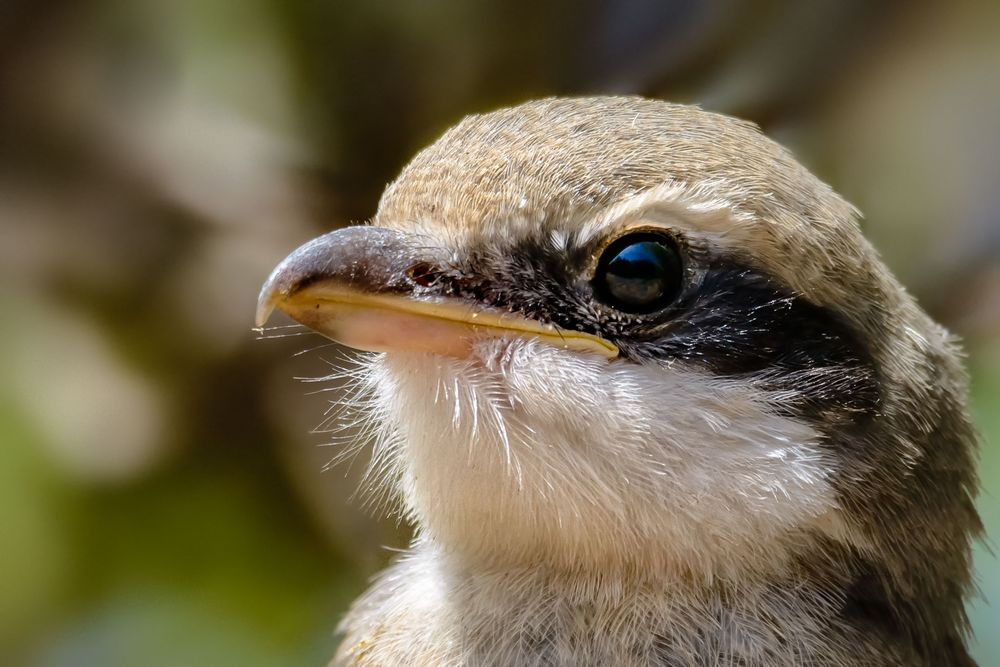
(436, 607)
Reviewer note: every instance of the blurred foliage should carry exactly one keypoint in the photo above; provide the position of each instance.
(162, 499)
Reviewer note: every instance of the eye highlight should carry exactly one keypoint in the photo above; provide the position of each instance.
(640, 273)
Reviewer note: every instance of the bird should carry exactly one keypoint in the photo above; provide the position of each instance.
(648, 396)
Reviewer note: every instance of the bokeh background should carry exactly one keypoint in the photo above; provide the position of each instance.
(164, 497)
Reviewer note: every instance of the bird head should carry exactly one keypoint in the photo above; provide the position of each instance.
(614, 333)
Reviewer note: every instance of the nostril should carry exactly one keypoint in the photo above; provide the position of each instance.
(423, 274)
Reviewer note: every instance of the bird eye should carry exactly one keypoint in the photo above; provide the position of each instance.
(640, 273)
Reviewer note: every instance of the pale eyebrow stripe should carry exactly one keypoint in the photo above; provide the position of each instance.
(693, 211)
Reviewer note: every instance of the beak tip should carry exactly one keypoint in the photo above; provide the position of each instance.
(264, 310)
(266, 303)
(263, 313)
(277, 288)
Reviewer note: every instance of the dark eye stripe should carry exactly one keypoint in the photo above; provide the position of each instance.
(739, 322)
(731, 319)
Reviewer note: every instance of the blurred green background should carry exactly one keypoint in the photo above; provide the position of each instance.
(163, 500)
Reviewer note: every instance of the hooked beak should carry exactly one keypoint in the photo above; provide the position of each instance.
(354, 286)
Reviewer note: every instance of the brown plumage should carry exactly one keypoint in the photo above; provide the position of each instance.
(772, 467)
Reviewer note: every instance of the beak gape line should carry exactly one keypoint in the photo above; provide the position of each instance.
(354, 286)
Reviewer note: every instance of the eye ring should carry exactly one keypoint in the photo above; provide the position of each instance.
(641, 272)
